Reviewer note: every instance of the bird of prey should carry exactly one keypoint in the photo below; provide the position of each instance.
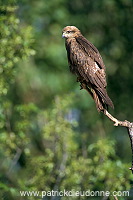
(86, 63)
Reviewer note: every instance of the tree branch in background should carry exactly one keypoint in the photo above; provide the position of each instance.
(115, 197)
(127, 124)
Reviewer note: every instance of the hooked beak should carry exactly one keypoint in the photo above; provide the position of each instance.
(63, 35)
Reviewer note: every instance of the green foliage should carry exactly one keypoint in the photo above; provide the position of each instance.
(15, 40)
(51, 136)
(51, 158)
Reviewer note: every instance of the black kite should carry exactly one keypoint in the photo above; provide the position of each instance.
(86, 63)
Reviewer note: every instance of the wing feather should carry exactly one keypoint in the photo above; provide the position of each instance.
(85, 61)
(91, 50)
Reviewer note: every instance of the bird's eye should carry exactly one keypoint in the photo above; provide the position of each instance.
(70, 32)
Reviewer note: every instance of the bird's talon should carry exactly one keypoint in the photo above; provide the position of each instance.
(81, 87)
(78, 79)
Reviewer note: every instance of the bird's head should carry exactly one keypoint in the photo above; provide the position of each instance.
(70, 32)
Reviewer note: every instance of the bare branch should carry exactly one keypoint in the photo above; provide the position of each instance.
(116, 121)
(15, 159)
(127, 124)
(115, 197)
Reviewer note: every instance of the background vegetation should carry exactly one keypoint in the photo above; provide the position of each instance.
(51, 136)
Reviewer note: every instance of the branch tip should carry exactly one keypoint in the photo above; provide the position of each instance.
(131, 168)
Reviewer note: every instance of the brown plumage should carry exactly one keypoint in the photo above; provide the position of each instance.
(86, 63)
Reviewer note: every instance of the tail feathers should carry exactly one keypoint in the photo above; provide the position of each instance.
(105, 98)
(101, 98)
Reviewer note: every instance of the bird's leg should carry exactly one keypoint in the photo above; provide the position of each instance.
(84, 86)
(79, 79)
